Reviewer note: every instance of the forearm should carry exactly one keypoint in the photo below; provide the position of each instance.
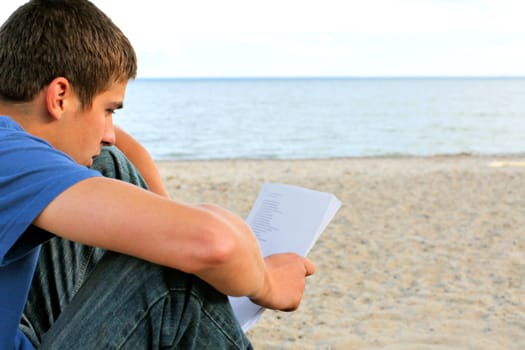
(141, 159)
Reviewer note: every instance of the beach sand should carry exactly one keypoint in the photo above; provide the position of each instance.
(425, 253)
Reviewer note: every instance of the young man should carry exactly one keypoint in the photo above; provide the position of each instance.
(161, 270)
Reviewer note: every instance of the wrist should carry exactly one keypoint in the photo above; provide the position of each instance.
(263, 291)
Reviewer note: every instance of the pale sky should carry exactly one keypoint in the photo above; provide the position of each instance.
(274, 38)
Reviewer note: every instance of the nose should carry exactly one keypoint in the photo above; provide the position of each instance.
(109, 137)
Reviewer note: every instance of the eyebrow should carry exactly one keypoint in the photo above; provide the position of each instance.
(116, 105)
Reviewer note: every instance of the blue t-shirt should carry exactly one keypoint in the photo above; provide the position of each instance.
(32, 174)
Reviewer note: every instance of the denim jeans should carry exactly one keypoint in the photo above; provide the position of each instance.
(87, 298)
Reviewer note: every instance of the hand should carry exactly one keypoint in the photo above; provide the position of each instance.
(285, 280)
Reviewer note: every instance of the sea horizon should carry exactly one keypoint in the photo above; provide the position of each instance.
(336, 77)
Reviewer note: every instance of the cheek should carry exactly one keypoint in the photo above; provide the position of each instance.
(95, 129)
(99, 124)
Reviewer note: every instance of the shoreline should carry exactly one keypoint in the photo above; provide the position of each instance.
(426, 252)
(387, 156)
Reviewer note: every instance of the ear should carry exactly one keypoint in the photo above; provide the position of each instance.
(57, 92)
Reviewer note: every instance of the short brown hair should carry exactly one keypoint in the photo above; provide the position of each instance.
(46, 39)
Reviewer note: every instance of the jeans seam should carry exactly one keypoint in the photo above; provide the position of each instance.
(203, 309)
(83, 269)
(139, 321)
(212, 319)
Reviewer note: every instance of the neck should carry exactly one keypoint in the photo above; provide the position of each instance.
(31, 116)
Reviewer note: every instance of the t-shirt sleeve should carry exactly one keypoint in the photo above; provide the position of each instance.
(32, 174)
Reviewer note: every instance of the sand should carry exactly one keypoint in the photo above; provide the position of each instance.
(426, 253)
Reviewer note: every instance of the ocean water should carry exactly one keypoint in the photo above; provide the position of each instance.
(325, 117)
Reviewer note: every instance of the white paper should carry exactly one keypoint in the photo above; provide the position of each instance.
(285, 218)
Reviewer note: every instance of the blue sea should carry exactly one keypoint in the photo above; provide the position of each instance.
(300, 118)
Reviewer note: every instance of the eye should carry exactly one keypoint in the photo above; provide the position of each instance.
(110, 111)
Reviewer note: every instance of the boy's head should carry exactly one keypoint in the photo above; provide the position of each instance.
(45, 39)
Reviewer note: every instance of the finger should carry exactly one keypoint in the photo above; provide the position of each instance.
(309, 267)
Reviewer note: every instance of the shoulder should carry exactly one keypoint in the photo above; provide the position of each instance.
(22, 154)
(32, 174)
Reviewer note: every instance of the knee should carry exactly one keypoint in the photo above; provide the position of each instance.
(108, 161)
(114, 164)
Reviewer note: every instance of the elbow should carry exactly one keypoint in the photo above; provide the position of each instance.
(220, 243)
(222, 248)
(225, 254)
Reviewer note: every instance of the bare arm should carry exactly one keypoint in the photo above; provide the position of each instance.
(204, 240)
(142, 160)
